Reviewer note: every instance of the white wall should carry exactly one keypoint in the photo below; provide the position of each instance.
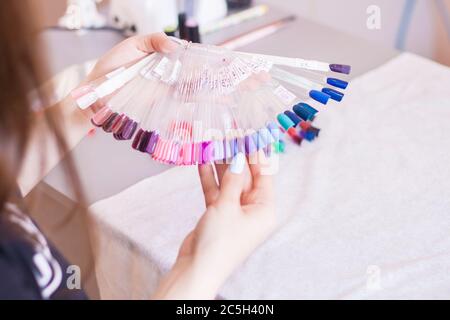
(426, 35)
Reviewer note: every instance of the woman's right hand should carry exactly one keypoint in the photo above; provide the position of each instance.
(240, 216)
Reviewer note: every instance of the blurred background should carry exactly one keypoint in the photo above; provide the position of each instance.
(427, 33)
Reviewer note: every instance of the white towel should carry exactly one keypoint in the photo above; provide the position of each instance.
(364, 211)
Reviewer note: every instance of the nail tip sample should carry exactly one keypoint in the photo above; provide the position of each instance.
(340, 68)
(319, 96)
(334, 94)
(338, 83)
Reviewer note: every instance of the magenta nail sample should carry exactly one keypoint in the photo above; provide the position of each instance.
(165, 155)
(157, 149)
(207, 152)
(197, 153)
(186, 152)
(166, 152)
(160, 149)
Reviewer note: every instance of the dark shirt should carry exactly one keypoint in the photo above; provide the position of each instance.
(30, 268)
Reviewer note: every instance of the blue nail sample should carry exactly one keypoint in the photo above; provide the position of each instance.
(334, 94)
(309, 108)
(319, 96)
(315, 131)
(310, 136)
(305, 111)
(338, 83)
(285, 121)
(295, 118)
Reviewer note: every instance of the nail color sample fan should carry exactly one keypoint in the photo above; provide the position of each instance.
(203, 103)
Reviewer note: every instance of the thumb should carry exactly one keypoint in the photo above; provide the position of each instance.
(159, 42)
(233, 180)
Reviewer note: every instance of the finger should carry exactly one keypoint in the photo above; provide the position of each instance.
(233, 179)
(159, 42)
(262, 181)
(209, 184)
(221, 169)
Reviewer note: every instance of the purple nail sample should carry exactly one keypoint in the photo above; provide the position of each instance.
(250, 146)
(130, 130)
(233, 147)
(340, 68)
(121, 131)
(259, 143)
(152, 143)
(240, 145)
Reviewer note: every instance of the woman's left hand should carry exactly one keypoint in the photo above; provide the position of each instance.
(131, 50)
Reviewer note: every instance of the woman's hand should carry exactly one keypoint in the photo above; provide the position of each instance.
(131, 50)
(240, 216)
(126, 52)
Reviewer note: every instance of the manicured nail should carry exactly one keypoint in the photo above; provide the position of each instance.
(238, 164)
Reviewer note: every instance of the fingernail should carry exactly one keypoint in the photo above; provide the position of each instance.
(238, 164)
(169, 46)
